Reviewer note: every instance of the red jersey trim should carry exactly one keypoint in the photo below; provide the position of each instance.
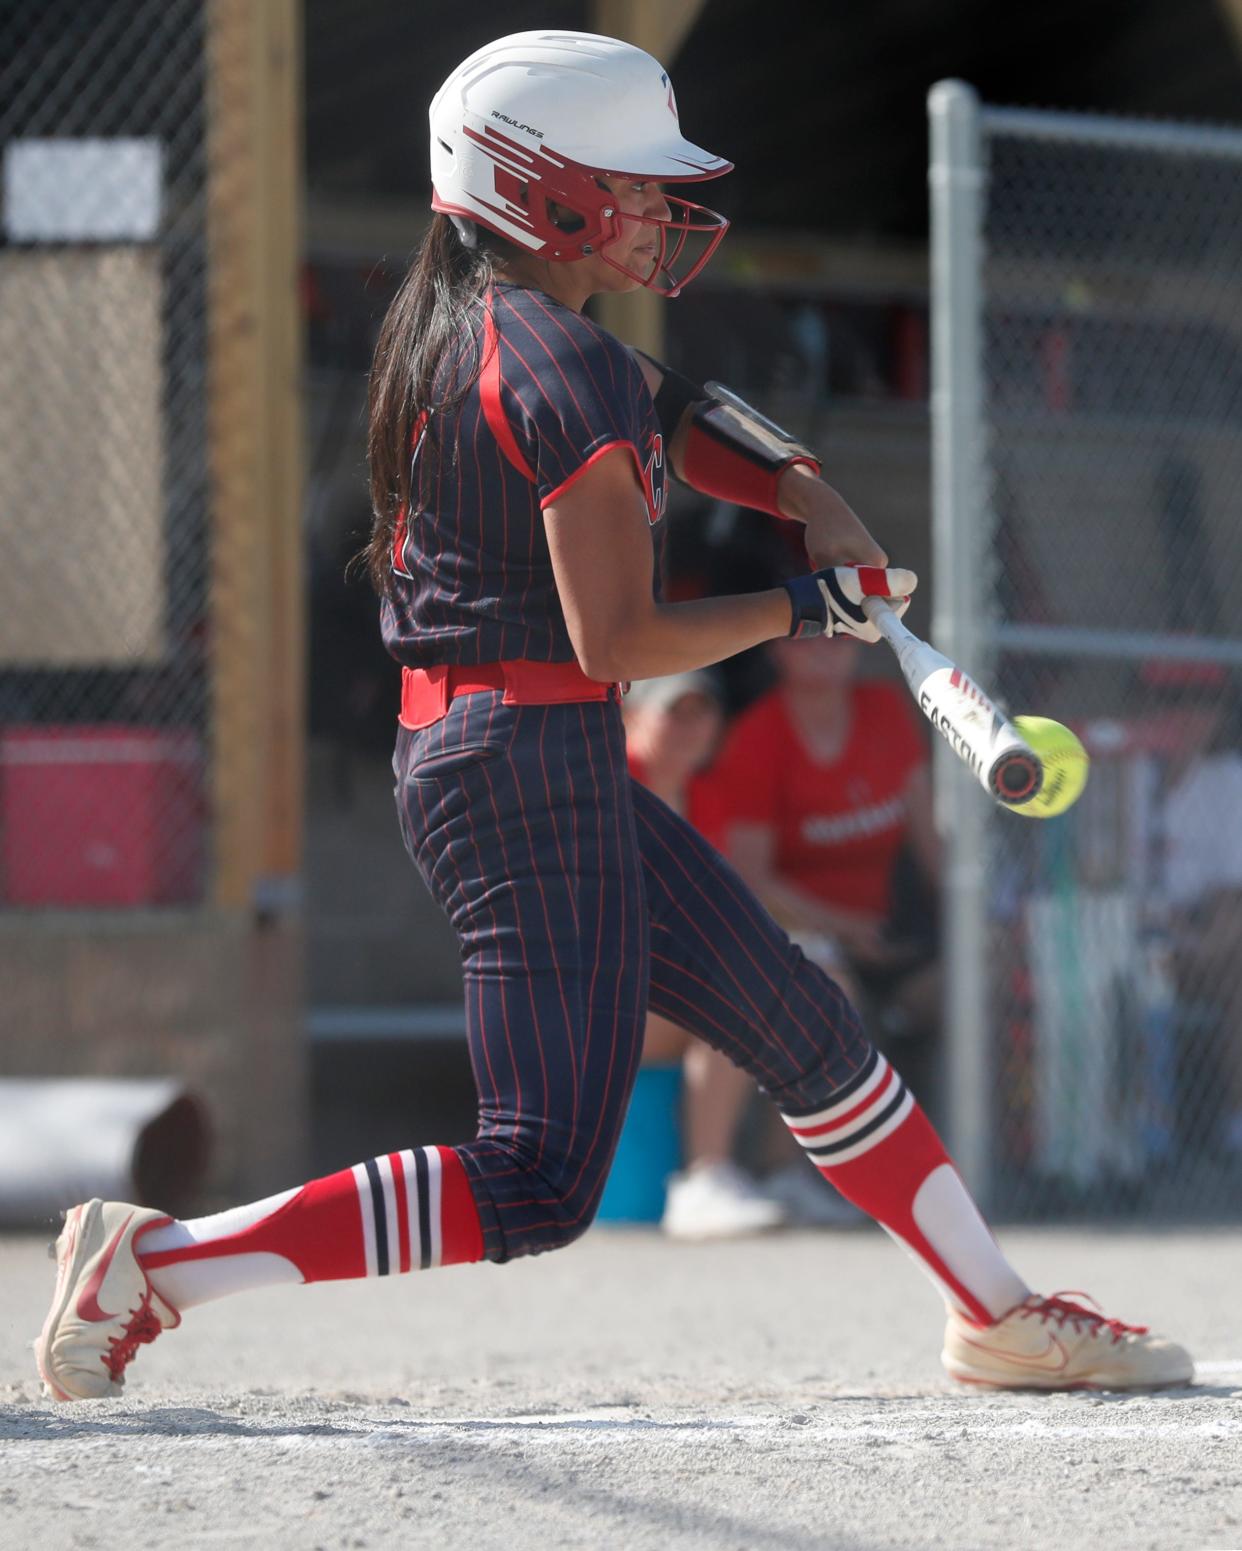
(577, 474)
(401, 528)
(493, 408)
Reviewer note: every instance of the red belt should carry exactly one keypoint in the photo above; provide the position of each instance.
(426, 692)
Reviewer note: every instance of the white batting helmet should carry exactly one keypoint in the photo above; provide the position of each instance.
(540, 117)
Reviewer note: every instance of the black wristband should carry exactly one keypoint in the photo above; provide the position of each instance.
(810, 607)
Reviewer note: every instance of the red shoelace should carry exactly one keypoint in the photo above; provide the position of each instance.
(1059, 1309)
(142, 1328)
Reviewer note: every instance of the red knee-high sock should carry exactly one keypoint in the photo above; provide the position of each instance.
(403, 1211)
(875, 1144)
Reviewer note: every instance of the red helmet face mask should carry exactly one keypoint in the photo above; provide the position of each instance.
(687, 239)
(524, 132)
(587, 219)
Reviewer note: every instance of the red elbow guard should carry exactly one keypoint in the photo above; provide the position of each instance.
(734, 453)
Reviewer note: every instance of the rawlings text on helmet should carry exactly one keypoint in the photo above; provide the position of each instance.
(538, 133)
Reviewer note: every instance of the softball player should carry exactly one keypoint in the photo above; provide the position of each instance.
(519, 459)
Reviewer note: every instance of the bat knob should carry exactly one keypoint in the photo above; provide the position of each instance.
(1016, 777)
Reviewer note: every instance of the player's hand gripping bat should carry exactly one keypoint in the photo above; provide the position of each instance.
(1004, 764)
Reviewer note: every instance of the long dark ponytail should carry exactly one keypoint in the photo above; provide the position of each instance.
(431, 313)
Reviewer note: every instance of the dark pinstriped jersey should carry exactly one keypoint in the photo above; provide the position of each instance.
(472, 575)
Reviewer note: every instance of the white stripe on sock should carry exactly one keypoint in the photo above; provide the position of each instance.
(950, 1222)
(411, 1204)
(384, 1164)
(848, 1154)
(222, 1225)
(951, 1299)
(842, 1106)
(187, 1283)
(434, 1176)
(877, 1104)
(363, 1186)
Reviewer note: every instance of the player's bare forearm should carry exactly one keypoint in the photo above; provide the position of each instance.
(835, 535)
(678, 637)
(599, 540)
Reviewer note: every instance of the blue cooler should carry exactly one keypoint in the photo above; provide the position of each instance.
(649, 1149)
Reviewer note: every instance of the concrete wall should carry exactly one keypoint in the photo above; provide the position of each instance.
(214, 1000)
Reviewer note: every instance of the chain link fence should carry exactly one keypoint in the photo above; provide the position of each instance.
(1095, 441)
(103, 454)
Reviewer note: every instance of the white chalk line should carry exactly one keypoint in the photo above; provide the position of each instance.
(926, 1428)
(949, 1419)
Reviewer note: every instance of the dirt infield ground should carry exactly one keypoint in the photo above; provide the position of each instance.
(776, 1395)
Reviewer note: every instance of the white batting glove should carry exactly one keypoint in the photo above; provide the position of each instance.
(830, 602)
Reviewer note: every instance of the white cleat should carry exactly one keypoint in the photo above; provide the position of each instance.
(1056, 1343)
(717, 1201)
(103, 1307)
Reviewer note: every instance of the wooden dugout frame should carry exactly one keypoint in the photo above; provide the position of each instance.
(257, 645)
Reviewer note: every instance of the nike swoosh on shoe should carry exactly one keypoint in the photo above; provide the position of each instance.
(1028, 1359)
(88, 1299)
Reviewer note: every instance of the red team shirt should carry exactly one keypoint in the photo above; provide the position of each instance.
(838, 825)
(472, 574)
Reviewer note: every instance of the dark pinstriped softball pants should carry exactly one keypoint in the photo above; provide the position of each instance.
(579, 899)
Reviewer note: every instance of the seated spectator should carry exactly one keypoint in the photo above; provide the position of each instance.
(827, 786)
(1202, 864)
(827, 824)
(673, 725)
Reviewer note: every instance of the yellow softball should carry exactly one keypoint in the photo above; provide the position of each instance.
(1065, 766)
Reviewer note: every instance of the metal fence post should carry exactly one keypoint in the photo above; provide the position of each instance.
(956, 178)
